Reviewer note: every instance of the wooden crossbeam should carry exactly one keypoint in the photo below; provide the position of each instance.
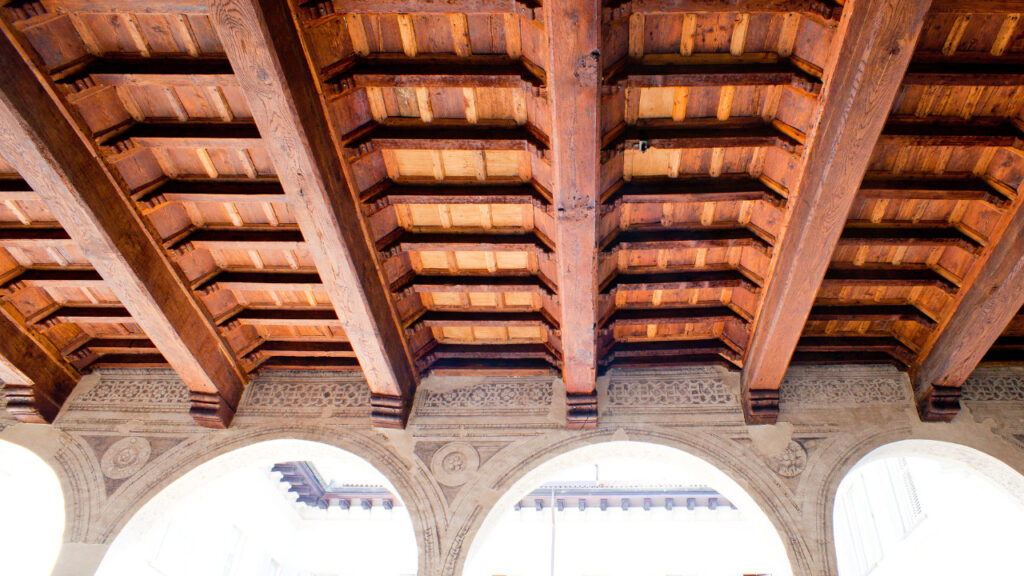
(434, 71)
(36, 379)
(197, 190)
(856, 344)
(670, 315)
(280, 316)
(51, 276)
(40, 234)
(327, 8)
(402, 134)
(407, 241)
(908, 234)
(740, 73)
(282, 237)
(478, 318)
(889, 276)
(929, 187)
(16, 190)
(992, 296)
(231, 279)
(195, 134)
(735, 133)
(986, 132)
(266, 53)
(722, 189)
(574, 93)
(819, 9)
(460, 283)
(957, 74)
(486, 352)
(166, 71)
(689, 280)
(61, 162)
(393, 194)
(107, 313)
(627, 353)
(687, 238)
(869, 56)
(869, 313)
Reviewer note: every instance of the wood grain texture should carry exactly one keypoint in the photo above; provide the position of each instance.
(36, 380)
(986, 307)
(261, 40)
(876, 40)
(574, 72)
(62, 164)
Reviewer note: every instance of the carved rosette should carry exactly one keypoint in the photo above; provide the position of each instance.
(790, 462)
(455, 463)
(125, 457)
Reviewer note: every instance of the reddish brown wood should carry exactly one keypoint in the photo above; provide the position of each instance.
(36, 380)
(266, 51)
(574, 72)
(871, 53)
(990, 301)
(61, 163)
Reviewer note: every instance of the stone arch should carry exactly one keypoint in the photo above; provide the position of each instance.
(979, 450)
(33, 502)
(164, 472)
(735, 467)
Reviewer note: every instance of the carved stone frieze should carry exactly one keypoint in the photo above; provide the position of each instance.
(826, 387)
(669, 392)
(505, 396)
(135, 390)
(280, 393)
(125, 457)
(987, 385)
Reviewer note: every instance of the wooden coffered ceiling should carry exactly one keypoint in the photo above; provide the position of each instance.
(477, 186)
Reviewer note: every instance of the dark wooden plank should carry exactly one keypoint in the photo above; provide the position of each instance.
(957, 74)
(208, 190)
(61, 162)
(734, 133)
(907, 131)
(195, 134)
(907, 234)
(394, 194)
(689, 280)
(782, 73)
(36, 379)
(722, 189)
(889, 276)
(987, 305)
(432, 71)
(857, 344)
(122, 70)
(930, 187)
(819, 9)
(408, 241)
(869, 313)
(266, 52)
(687, 238)
(671, 315)
(869, 57)
(282, 237)
(429, 283)
(574, 92)
(405, 134)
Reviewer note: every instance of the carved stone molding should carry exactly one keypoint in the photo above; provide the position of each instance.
(135, 390)
(789, 463)
(826, 387)
(281, 393)
(455, 463)
(505, 396)
(125, 457)
(662, 392)
(994, 386)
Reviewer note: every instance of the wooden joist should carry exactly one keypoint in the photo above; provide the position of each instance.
(36, 380)
(735, 133)
(394, 194)
(722, 189)
(197, 190)
(730, 237)
(266, 53)
(401, 134)
(167, 71)
(432, 283)
(869, 57)
(889, 276)
(781, 73)
(387, 71)
(196, 134)
(929, 187)
(61, 162)
(688, 280)
(992, 296)
(987, 132)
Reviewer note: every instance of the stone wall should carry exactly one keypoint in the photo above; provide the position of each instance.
(125, 435)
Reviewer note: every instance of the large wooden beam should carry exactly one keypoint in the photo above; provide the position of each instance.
(574, 72)
(62, 164)
(36, 380)
(266, 52)
(874, 43)
(988, 304)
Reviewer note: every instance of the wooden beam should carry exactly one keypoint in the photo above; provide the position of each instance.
(740, 73)
(62, 164)
(908, 234)
(36, 379)
(721, 189)
(434, 71)
(958, 74)
(171, 71)
(987, 132)
(198, 190)
(733, 133)
(930, 187)
(689, 280)
(871, 52)
(574, 92)
(818, 8)
(687, 238)
(225, 135)
(441, 135)
(266, 52)
(430, 283)
(889, 276)
(993, 295)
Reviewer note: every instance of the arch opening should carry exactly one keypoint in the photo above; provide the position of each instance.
(276, 508)
(626, 507)
(33, 509)
(928, 507)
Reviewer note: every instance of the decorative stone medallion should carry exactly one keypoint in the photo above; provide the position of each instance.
(790, 462)
(125, 457)
(454, 463)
